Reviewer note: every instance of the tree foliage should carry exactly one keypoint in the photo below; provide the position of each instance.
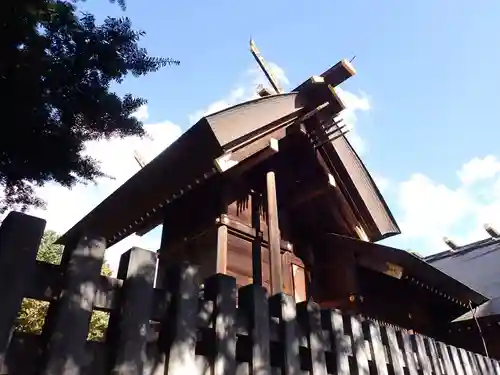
(32, 315)
(56, 72)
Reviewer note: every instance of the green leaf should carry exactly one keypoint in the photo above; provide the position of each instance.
(57, 69)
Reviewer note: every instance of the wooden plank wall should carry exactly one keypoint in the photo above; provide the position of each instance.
(241, 211)
(241, 243)
(240, 265)
(201, 333)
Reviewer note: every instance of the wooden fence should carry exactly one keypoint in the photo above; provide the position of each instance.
(213, 330)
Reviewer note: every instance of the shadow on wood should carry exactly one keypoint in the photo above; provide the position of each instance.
(201, 330)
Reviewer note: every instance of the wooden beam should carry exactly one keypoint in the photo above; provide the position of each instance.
(313, 112)
(260, 60)
(306, 195)
(221, 266)
(274, 235)
(334, 76)
(262, 91)
(232, 159)
(272, 129)
(247, 231)
(380, 265)
(222, 230)
(345, 208)
(257, 240)
(361, 233)
(162, 253)
(283, 122)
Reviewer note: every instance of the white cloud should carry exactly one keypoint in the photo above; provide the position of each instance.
(236, 96)
(65, 206)
(479, 169)
(277, 72)
(243, 91)
(430, 210)
(116, 156)
(142, 114)
(382, 182)
(354, 104)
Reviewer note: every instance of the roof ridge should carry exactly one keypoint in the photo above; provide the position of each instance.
(462, 249)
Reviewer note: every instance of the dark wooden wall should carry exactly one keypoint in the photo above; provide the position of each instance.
(332, 275)
(199, 249)
(467, 335)
(247, 232)
(244, 232)
(344, 279)
(305, 208)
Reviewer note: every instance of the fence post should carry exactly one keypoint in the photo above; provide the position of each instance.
(465, 361)
(334, 323)
(252, 299)
(457, 363)
(20, 237)
(131, 316)
(283, 307)
(373, 329)
(496, 366)
(221, 289)
(66, 347)
(358, 346)
(409, 352)
(448, 366)
(484, 363)
(489, 365)
(394, 350)
(178, 333)
(433, 354)
(476, 365)
(310, 317)
(423, 358)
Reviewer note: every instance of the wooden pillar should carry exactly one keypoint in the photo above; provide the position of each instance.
(222, 235)
(310, 264)
(20, 237)
(127, 332)
(257, 241)
(273, 235)
(65, 352)
(161, 263)
(221, 265)
(177, 340)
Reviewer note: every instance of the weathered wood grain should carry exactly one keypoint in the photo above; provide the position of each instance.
(20, 236)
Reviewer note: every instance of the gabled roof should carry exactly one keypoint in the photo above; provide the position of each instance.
(187, 165)
(476, 265)
(429, 276)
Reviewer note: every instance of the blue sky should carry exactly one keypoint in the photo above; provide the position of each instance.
(426, 74)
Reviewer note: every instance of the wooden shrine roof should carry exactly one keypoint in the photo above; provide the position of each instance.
(188, 164)
(474, 264)
(412, 268)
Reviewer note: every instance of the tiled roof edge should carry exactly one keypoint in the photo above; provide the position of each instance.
(462, 249)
